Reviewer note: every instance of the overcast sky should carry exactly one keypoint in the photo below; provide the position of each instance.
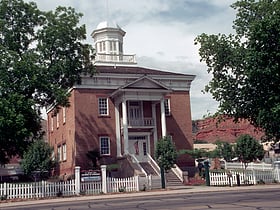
(161, 33)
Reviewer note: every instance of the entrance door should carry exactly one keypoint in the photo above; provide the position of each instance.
(135, 113)
(138, 147)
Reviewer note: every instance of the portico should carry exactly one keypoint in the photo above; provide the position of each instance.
(137, 101)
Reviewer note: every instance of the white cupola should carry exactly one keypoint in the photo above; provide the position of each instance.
(108, 42)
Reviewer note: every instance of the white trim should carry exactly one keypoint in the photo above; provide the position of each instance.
(118, 130)
(64, 114)
(125, 126)
(163, 120)
(64, 152)
(109, 145)
(101, 109)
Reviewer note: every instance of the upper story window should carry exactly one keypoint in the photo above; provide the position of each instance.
(59, 155)
(64, 152)
(51, 123)
(103, 106)
(57, 120)
(113, 46)
(104, 145)
(167, 107)
(64, 114)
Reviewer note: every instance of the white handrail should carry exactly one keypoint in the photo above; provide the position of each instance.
(135, 160)
(178, 172)
(153, 164)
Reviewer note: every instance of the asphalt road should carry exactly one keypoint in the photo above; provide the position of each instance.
(260, 199)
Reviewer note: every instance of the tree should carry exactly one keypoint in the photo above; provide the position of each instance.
(37, 159)
(248, 149)
(165, 155)
(42, 56)
(224, 150)
(245, 65)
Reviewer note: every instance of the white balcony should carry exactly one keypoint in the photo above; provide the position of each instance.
(145, 123)
(115, 58)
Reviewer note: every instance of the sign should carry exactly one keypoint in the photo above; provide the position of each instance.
(90, 175)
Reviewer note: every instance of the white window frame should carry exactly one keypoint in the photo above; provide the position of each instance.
(64, 152)
(167, 109)
(103, 106)
(64, 114)
(51, 123)
(104, 149)
(57, 120)
(59, 153)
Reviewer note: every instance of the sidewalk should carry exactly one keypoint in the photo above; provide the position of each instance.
(175, 190)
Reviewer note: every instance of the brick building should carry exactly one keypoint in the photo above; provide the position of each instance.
(122, 110)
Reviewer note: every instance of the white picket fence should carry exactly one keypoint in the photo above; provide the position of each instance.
(37, 189)
(68, 188)
(123, 184)
(229, 177)
(251, 166)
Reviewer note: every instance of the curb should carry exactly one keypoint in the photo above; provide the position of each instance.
(168, 191)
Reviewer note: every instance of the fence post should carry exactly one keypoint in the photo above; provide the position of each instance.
(254, 177)
(77, 180)
(137, 183)
(104, 178)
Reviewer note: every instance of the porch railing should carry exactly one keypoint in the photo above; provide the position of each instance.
(115, 58)
(145, 122)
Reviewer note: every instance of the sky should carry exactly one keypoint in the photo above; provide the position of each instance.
(161, 33)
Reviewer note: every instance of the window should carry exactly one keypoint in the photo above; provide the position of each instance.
(144, 148)
(167, 107)
(64, 114)
(52, 123)
(104, 145)
(103, 46)
(59, 153)
(103, 106)
(64, 152)
(57, 120)
(113, 46)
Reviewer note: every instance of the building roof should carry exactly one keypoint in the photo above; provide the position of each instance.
(135, 70)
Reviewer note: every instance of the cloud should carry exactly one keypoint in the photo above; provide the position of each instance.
(161, 33)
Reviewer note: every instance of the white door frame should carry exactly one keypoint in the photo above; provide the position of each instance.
(136, 146)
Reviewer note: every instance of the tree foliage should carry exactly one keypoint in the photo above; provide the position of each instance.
(165, 153)
(37, 158)
(248, 149)
(42, 55)
(224, 150)
(245, 65)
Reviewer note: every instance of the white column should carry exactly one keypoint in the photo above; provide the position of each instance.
(125, 128)
(104, 178)
(118, 130)
(77, 180)
(163, 121)
(154, 115)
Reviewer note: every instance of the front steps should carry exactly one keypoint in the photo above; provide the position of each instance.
(172, 180)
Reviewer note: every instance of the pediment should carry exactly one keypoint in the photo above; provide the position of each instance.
(145, 83)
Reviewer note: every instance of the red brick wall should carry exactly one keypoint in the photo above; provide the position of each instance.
(89, 125)
(63, 134)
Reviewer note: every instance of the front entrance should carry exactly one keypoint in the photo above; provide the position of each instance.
(138, 147)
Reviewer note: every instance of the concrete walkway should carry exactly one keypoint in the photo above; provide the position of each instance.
(174, 190)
